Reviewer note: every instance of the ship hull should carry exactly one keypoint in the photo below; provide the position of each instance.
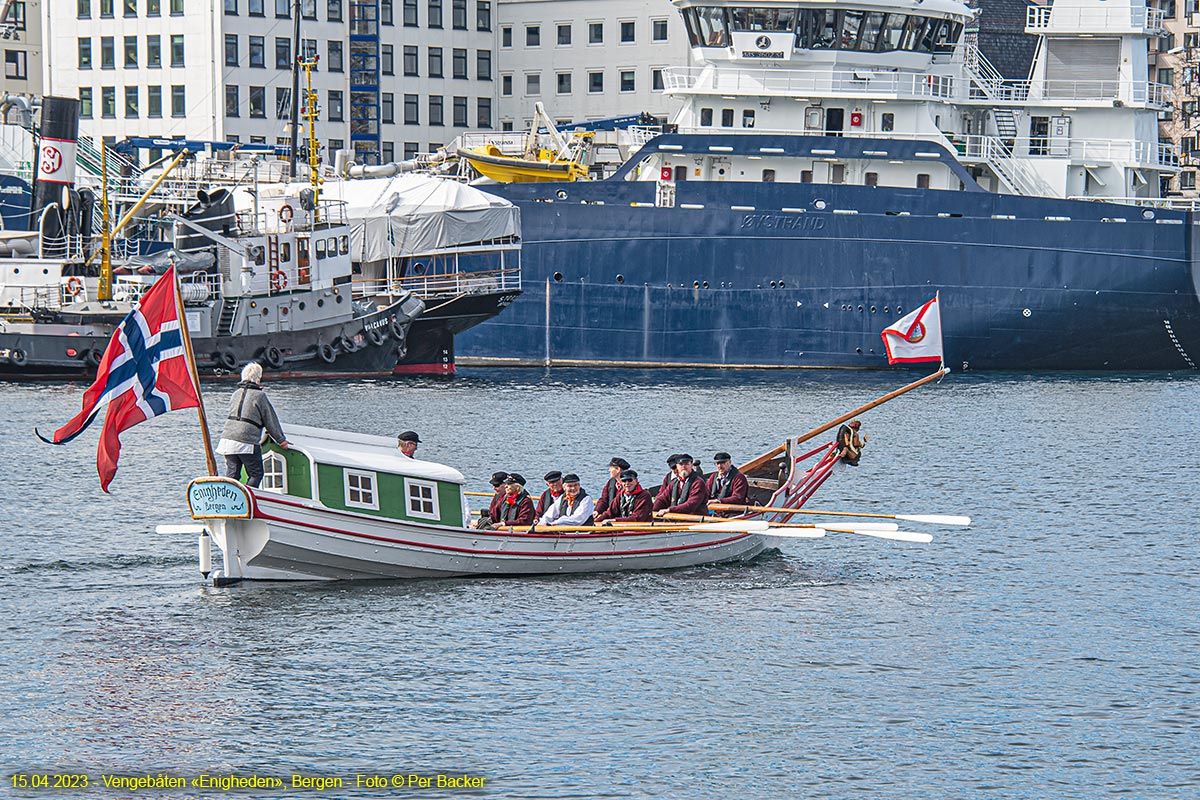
(807, 275)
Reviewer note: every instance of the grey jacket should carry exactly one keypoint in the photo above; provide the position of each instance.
(249, 412)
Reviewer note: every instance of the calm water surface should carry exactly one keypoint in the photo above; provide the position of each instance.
(1051, 650)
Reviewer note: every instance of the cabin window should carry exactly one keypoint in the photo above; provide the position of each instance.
(837, 173)
(923, 180)
(320, 249)
(422, 498)
(361, 490)
(274, 473)
(768, 176)
(726, 117)
(806, 176)
(302, 252)
(748, 118)
(707, 27)
(887, 122)
(871, 179)
(344, 245)
(285, 252)
(706, 117)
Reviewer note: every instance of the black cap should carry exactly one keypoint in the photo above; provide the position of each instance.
(619, 462)
(515, 477)
(719, 457)
(552, 475)
(684, 458)
(570, 477)
(498, 478)
(628, 475)
(409, 436)
(673, 460)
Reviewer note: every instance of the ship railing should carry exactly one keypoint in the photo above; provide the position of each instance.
(21, 301)
(989, 83)
(1170, 203)
(1019, 178)
(799, 82)
(640, 134)
(1075, 19)
(448, 284)
(1117, 151)
(1139, 92)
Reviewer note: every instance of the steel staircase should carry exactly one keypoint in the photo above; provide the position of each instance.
(229, 309)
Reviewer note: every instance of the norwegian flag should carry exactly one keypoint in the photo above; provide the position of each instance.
(144, 373)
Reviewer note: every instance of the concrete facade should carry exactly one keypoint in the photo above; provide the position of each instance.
(21, 46)
(1175, 59)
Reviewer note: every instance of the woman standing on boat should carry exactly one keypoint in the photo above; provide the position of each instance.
(249, 412)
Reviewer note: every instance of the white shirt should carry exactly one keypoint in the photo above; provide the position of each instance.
(554, 514)
(228, 447)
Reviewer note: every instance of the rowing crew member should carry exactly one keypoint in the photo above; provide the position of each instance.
(554, 490)
(850, 444)
(517, 506)
(727, 484)
(633, 504)
(573, 508)
(493, 513)
(686, 495)
(608, 495)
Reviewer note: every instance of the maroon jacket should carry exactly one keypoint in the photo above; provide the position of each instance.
(494, 508)
(608, 496)
(519, 512)
(737, 492)
(637, 506)
(544, 502)
(678, 498)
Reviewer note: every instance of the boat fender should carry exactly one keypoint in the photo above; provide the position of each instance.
(286, 213)
(345, 344)
(273, 357)
(18, 357)
(375, 335)
(227, 359)
(205, 554)
(74, 286)
(326, 352)
(93, 357)
(397, 329)
(278, 280)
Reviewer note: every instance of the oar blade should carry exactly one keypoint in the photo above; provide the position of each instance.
(738, 525)
(936, 519)
(796, 533)
(898, 536)
(863, 526)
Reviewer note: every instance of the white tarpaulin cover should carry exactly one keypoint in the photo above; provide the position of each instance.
(412, 214)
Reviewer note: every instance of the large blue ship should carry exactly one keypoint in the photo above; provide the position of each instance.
(835, 164)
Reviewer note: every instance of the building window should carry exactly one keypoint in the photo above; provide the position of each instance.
(1187, 180)
(85, 53)
(108, 102)
(336, 111)
(410, 60)
(16, 16)
(506, 35)
(460, 112)
(335, 57)
(231, 50)
(108, 58)
(231, 7)
(232, 101)
(436, 116)
(255, 8)
(176, 8)
(258, 52)
(274, 473)
(131, 60)
(176, 50)
(483, 15)
(435, 13)
(595, 33)
(658, 30)
(333, 10)
(1166, 76)
(386, 13)
(308, 50)
(564, 83)
(85, 102)
(154, 102)
(411, 149)
(627, 80)
(387, 59)
(130, 7)
(410, 13)
(131, 102)
(533, 84)
(360, 490)
(258, 102)
(283, 9)
(483, 65)
(283, 53)
(178, 101)
(308, 9)
(483, 112)
(411, 114)
(422, 498)
(533, 35)
(83, 9)
(435, 62)
(336, 144)
(458, 15)
(627, 32)
(506, 85)
(656, 79)
(564, 34)
(106, 8)
(153, 51)
(283, 103)
(595, 82)
(387, 109)
(459, 60)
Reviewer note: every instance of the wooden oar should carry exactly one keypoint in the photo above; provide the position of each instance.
(736, 525)
(480, 494)
(857, 526)
(934, 519)
(879, 530)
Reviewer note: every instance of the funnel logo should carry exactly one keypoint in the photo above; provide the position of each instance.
(56, 161)
(51, 159)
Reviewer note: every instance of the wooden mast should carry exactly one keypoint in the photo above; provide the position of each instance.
(209, 456)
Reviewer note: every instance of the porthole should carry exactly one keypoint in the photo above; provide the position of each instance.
(782, 284)
(773, 284)
(265, 311)
(705, 284)
(818, 204)
(872, 309)
(45, 272)
(858, 350)
(340, 298)
(320, 303)
(1147, 214)
(695, 284)
(620, 279)
(885, 309)
(860, 308)
(302, 306)
(558, 277)
(899, 309)
(561, 194)
(419, 268)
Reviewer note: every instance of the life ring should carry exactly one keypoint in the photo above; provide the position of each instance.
(74, 285)
(227, 359)
(345, 344)
(397, 329)
(18, 357)
(278, 280)
(326, 352)
(286, 213)
(273, 357)
(375, 336)
(93, 357)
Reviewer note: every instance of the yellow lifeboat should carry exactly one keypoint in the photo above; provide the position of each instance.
(490, 162)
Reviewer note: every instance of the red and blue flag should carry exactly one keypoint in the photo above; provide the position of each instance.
(144, 373)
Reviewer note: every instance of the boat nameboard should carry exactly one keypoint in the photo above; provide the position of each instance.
(218, 498)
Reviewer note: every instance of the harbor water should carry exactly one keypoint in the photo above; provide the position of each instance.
(1050, 650)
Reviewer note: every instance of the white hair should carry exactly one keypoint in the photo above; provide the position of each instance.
(252, 372)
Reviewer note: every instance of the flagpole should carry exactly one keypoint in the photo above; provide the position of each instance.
(937, 298)
(209, 456)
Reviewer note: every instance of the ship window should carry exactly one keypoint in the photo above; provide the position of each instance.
(871, 179)
(726, 117)
(806, 176)
(768, 176)
(422, 499)
(710, 27)
(893, 28)
(763, 19)
(933, 34)
(360, 490)
(838, 173)
(344, 245)
(914, 29)
(817, 29)
(887, 122)
(748, 118)
(320, 249)
(706, 117)
(302, 252)
(869, 35)
(923, 180)
(274, 473)
(285, 252)
(850, 26)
